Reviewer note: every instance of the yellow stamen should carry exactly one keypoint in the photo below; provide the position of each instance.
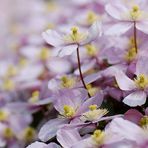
(144, 121)
(11, 71)
(8, 133)
(29, 134)
(135, 12)
(8, 85)
(141, 81)
(35, 97)
(44, 54)
(67, 82)
(3, 115)
(91, 50)
(131, 54)
(92, 90)
(91, 17)
(98, 136)
(68, 111)
(75, 36)
(93, 107)
(94, 114)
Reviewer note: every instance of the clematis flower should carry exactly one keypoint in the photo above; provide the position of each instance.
(68, 42)
(71, 139)
(130, 131)
(129, 14)
(70, 104)
(138, 86)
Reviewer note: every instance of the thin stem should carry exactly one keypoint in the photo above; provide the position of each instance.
(135, 37)
(80, 71)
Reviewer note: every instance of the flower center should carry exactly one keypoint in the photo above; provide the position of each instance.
(141, 81)
(11, 71)
(98, 136)
(35, 97)
(144, 121)
(67, 82)
(68, 111)
(8, 133)
(8, 85)
(93, 113)
(29, 134)
(3, 115)
(131, 54)
(44, 54)
(135, 12)
(92, 90)
(91, 17)
(75, 36)
(91, 50)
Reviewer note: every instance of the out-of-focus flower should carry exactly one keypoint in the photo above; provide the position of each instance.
(128, 14)
(69, 41)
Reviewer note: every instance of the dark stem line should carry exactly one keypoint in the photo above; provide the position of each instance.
(135, 37)
(80, 71)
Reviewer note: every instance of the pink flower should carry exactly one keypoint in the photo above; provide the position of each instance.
(138, 87)
(127, 14)
(129, 131)
(69, 41)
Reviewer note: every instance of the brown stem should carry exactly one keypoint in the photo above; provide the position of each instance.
(135, 37)
(80, 71)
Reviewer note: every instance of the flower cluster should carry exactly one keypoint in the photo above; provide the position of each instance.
(76, 76)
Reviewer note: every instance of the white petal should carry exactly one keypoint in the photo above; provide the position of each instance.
(68, 50)
(85, 67)
(118, 29)
(142, 26)
(124, 82)
(68, 137)
(116, 10)
(94, 31)
(141, 67)
(50, 128)
(124, 129)
(135, 99)
(53, 38)
(37, 145)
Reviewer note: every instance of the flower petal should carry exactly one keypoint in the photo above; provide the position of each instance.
(50, 128)
(137, 98)
(142, 26)
(68, 50)
(68, 137)
(116, 10)
(93, 32)
(37, 145)
(124, 82)
(53, 38)
(118, 29)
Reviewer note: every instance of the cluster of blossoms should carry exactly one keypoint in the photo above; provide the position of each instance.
(76, 76)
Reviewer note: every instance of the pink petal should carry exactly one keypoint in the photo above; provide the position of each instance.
(68, 50)
(116, 10)
(53, 38)
(124, 82)
(119, 28)
(94, 31)
(68, 137)
(125, 129)
(142, 26)
(141, 67)
(137, 98)
(37, 145)
(50, 128)
(133, 115)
